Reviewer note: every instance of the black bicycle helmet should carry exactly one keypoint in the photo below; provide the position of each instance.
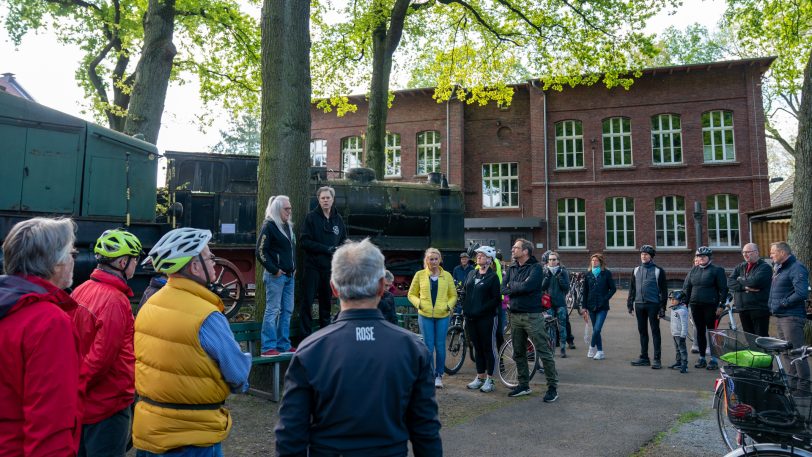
(704, 250)
(677, 295)
(648, 249)
(546, 256)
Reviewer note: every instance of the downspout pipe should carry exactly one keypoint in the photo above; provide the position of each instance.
(448, 137)
(546, 171)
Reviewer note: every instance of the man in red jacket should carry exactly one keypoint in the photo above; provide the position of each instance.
(106, 340)
(39, 359)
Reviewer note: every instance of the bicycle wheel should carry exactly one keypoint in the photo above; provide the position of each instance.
(455, 347)
(731, 436)
(228, 285)
(691, 327)
(769, 450)
(508, 371)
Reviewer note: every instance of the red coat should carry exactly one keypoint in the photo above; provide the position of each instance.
(105, 322)
(40, 406)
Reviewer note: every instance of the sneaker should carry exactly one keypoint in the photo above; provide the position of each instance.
(519, 391)
(641, 362)
(438, 382)
(656, 365)
(488, 386)
(712, 365)
(694, 349)
(707, 352)
(571, 346)
(270, 353)
(591, 352)
(675, 365)
(291, 350)
(683, 369)
(701, 364)
(540, 370)
(551, 395)
(476, 383)
(599, 355)
(563, 353)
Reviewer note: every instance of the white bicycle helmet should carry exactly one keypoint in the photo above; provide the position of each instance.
(175, 249)
(487, 250)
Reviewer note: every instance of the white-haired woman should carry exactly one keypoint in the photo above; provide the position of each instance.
(276, 251)
(433, 293)
(481, 304)
(39, 378)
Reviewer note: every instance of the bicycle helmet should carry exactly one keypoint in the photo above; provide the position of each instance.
(677, 295)
(175, 249)
(487, 250)
(546, 256)
(704, 250)
(648, 249)
(116, 243)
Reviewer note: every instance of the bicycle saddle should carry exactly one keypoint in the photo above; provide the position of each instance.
(772, 344)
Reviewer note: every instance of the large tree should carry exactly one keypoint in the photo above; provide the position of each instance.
(134, 48)
(472, 48)
(784, 29)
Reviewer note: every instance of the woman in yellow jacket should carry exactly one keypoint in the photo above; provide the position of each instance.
(433, 294)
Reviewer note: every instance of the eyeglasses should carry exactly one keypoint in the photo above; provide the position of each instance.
(287, 209)
(748, 252)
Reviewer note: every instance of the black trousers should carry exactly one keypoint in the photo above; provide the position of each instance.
(482, 333)
(315, 283)
(647, 316)
(755, 321)
(704, 320)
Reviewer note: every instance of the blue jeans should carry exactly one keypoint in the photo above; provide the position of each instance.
(561, 313)
(597, 318)
(278, 309)
(433, 331)
(188, 451)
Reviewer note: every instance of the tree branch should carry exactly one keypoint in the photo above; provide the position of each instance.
(481, 20)
(586, 19)
(239, 82)
(774, 134)
(79, 3)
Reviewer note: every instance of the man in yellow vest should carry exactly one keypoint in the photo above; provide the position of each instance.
(186, 359)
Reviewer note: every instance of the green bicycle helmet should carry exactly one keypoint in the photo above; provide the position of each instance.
(175, 249)
(116, 243)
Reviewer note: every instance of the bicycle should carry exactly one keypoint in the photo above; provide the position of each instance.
(576, 292)
(756, 408)
(457, 344)
(508, 370)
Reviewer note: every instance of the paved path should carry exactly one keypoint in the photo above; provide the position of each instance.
(606, 408)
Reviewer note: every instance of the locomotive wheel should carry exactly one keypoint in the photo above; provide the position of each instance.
(229, 286)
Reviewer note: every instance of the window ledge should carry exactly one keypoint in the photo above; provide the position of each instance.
(672, 249)
(574, 249)
(726, 248)
(619, 167)
(565, 170)
(502, 208)
(621, 250)
(721, 163)
(668, 165)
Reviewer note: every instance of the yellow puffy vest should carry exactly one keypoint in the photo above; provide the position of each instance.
(172, 367)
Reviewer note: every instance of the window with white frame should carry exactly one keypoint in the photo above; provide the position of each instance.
(617, 142)
(717, 136)
(428, 152)
(669, 221)
(569, 144)
(723, 220)
(666, 139)
(352, 152)
(392, 164)
(620, 222)
(318, 153)
(500, 185)
(572, 223)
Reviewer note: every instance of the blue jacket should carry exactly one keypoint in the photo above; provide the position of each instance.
(598, 290)
(346, 394)
(789, 289)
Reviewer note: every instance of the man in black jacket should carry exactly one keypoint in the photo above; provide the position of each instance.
(705, 289)
(750, 283)
(648, 293)
(322, 233)
(361, 386)
(522, 282)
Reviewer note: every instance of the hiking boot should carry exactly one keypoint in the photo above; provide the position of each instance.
(563, 353)
(599, 355)
(641, 362)
(270, 353)
(656, 365)
(701, 364)
(519, 391)
(675, 365)
(551, 395)
(487, 386)
(591, 352)
(712, 365)
(438, 382)
(476, 383)
(571, 346)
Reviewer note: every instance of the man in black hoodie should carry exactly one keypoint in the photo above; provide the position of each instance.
(322, 233)
(648, 293)
(522, 282)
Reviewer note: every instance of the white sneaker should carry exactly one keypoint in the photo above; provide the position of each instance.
(438, 382)
(476, 383)
(591, 352)
(599, 355)
(487, 386)
(707, 352)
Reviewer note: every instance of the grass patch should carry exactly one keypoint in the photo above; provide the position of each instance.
(650, 448)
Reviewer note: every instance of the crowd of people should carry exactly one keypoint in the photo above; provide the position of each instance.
(83, 376)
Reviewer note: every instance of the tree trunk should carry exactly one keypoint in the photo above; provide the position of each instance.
(153, 71)
(285, 126)
(800, 236)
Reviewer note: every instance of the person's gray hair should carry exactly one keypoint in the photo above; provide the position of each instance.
(323, 189)
(357, 268)
(273, 212)
(35, 246)
(388, 276)
(783, 246)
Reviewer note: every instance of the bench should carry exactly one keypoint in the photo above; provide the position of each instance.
(406, 314)
(250, 334)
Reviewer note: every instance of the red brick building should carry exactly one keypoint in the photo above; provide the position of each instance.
(588, 169)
